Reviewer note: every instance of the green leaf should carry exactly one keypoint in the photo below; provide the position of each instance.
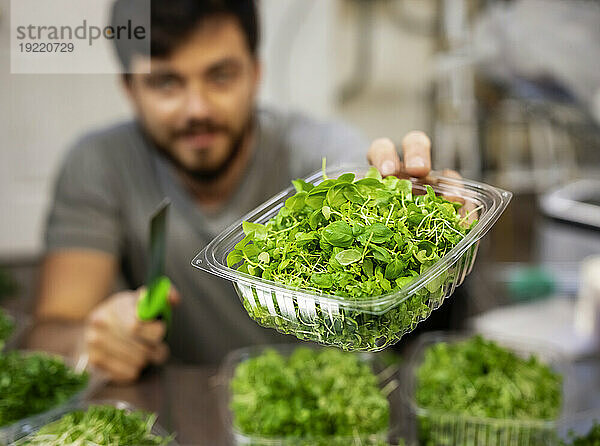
(405, 188)
(355, 240)
(335, 196)
(251, 250)
(380, 254)
(303, 238)
(394, 269)
(322, 280)
(367, 267)
(315, 201)
(338, 233)
(348, 256)
(296, 202)
(430, 192)
(243, 242)
(346, 178)
(301, 185)
(377, 233)
(501, 384)
(426, 251)
(352, 194)
(316, 218)
(382, 197)
(312, 394)
(256, 230)
(373, 173)
(234, 257)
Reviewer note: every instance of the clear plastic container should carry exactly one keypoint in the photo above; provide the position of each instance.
(30, 428)
(236, 357)
(368, 324)
(447, 429)
(95, 381)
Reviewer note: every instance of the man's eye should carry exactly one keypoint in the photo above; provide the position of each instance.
(163, 82)
(223, 77)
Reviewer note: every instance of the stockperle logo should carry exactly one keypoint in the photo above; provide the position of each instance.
(76, 36)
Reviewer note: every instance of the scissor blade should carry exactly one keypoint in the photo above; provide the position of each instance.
(158, 243)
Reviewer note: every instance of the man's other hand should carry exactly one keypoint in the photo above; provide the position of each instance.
(120, 344)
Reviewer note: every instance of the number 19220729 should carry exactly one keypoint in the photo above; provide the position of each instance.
(43, 47)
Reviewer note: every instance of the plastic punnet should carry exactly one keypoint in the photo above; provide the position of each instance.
(29, 429)
(365, 324)
(431, 427)
(96, 379)
(387, 374)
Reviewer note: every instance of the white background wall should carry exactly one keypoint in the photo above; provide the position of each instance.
(307, 52)
(39, 116)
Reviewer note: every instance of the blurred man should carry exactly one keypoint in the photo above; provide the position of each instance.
(199, 139)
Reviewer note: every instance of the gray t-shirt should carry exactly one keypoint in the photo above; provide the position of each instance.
(112, 180)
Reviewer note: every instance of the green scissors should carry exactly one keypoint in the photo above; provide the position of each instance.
(154, 302)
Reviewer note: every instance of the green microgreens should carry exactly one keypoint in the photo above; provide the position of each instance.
(310, 397)
(99, 425)
(352, 238)
(479, 378)
(34, 383)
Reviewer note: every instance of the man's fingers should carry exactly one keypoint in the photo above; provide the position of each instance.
(118, 370)
(150, 331)
(416, 149)
(159, 354)
(146, 331)
(174, 297)
(122, 348)
(383, 155)
(452, 174)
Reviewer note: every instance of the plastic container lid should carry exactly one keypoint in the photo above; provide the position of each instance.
(367, 324)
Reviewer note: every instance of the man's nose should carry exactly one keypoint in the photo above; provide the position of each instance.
(197, 105)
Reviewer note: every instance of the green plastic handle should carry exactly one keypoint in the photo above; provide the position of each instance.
(155, 300)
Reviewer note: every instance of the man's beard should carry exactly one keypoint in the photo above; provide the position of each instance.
(208, 175)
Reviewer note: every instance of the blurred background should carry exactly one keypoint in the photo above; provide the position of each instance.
(508, 90)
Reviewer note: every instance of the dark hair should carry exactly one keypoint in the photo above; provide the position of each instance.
(172, 21)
